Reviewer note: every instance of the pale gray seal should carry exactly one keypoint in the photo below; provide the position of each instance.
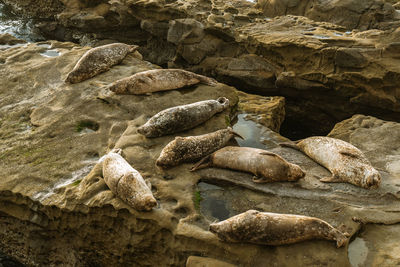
(158, 80)
(192, 148)
(265, 165)
(180, 118)
(126, 182)
(98, 60)
(346, 162)
(265, 228)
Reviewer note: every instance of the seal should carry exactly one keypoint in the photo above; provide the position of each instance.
(98, 60)
(265, 165)
(192, 148)
(346, 162)
(158, 80)
(126, 182)
(181, 118)
(274, 229)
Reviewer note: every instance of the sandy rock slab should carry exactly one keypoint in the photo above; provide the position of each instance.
(336, 203)
(54, 204)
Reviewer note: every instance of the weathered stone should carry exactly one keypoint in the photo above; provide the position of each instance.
(360, 14)
(195, 261)
(350, 58)
(267, 111)
(185, 31)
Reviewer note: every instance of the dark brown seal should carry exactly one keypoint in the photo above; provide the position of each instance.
(126, 182)
(158, 80)
(265, 165)
(192, 148)
(180, 118)
(346, 162)
(265, 228)
(98, 60)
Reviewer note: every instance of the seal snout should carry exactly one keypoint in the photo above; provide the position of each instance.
(373, 180)
(149, 202)
(223, 101)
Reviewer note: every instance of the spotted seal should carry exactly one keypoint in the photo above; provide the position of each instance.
(158, 80)
(265, 165)
(346, 162)
(192, 148)
(182, 117)
(126, 182)
(265, 228)
(98, 60)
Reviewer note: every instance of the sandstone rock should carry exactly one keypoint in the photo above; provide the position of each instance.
(194, 261)
(267, 111)
(361, 14)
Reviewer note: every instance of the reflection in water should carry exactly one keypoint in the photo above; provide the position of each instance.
(212, 205)
(250, 131)
(256, 135)
(358, 252)
(50, 53)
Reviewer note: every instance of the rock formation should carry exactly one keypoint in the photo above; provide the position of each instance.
(55, 209)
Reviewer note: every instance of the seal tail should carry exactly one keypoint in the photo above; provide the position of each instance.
(342, 239)
(201, 164)
(207, 80)
(235, 133)
(291, 145)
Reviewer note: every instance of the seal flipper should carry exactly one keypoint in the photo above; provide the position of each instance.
(291, 145)
(201, 164)
(331, 179)
(259, 180)
(269, 154)
(349, 154)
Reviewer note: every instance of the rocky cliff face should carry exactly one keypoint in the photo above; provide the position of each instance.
(56, 208)
(328, 70)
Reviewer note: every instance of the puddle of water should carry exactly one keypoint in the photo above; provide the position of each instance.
(250, 131)
(50, 53)
(357, 252)
(338, 34)
(75, 176)
(212, 206)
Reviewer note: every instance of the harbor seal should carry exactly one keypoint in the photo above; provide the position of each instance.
(98, 60)
(192, 148)
(265, 165)
(182, 117)
(158, 80)
(274, 229)
(126, 182)
(346, 162)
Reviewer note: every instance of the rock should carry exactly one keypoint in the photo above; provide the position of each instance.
(361, 14)
(343, 72)
(8, 39)
(194, 261)
(185, 31)
(267, 111)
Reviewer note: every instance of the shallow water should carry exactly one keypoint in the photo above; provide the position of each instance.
(51, 53)
(358, 252)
